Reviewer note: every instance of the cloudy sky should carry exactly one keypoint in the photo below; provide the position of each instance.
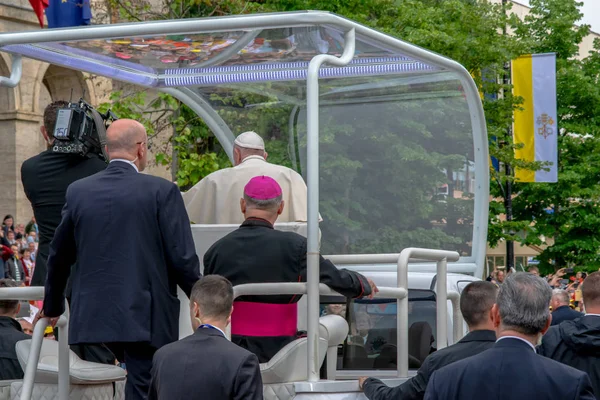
(591, 13)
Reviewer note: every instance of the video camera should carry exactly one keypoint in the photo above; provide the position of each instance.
(81, 129)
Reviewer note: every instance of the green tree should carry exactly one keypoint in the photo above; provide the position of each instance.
(566, 212)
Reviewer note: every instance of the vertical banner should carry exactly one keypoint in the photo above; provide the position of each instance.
(534, 79)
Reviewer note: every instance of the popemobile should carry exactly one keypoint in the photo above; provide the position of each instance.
(391, 141)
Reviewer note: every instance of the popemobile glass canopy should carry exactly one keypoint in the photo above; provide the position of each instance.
(402, 139)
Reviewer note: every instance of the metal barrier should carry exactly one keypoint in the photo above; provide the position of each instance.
(37, 293)
(457, 320)
(400, 293)
(441, 257)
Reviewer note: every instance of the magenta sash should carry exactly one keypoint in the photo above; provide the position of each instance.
(264, 319)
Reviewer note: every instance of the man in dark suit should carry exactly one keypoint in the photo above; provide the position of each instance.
(45, 180)
(206, 365)
(577, 342)
(131, 238)
(512, 369)
(476, 301)
(560, 307)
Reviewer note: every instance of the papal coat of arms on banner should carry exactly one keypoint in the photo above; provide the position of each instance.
(545, 125)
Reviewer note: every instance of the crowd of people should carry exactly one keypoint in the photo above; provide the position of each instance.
(557, 280)
(19, 244)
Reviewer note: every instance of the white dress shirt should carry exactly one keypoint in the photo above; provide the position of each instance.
(126, 161)
(519, 338)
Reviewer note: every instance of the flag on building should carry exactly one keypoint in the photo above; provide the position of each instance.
(534, 79)
(38, 7)
(66, 13)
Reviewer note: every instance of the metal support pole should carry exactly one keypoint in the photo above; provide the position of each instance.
(510, 245)
(312, 256)
(441, 303)
(15, 73)
(34, 357)
(457, 318)
(402, 316)
(63, 359)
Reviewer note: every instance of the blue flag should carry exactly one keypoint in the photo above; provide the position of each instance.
(65, 13)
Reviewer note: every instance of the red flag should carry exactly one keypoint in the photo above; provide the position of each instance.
(38, 7)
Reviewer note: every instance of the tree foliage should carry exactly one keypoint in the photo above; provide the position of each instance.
(468, 31)
(566, 212)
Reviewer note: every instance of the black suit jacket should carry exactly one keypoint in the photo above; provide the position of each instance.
(10, 334)
(131, 238)
(205, 366)
(473, 343)
(45, 180)
(509, 370)
(564, 313)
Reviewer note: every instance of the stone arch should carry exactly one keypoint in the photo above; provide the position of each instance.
(64, 84)
(8, 96)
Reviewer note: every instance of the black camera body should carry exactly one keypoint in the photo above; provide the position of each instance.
(81, 129)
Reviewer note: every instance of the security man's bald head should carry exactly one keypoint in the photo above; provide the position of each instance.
(126, 139)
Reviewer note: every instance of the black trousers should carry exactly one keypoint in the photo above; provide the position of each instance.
(138, 362)
(90, 352)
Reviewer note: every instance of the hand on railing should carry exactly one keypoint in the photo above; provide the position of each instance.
(374, 288)
(51, 321)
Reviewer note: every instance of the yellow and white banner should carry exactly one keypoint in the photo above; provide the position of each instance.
(534, 79)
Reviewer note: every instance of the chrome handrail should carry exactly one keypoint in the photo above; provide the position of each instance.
(37, 293)
(441, 257)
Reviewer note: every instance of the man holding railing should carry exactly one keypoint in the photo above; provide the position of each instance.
(257, 253)
(124, 291)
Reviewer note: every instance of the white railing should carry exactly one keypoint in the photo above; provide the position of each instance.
(441, 257)
(400, 294)
(37, 293)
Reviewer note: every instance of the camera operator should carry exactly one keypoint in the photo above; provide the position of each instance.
(45, 180)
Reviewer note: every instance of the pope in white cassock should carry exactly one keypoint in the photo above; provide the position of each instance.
(216, 198)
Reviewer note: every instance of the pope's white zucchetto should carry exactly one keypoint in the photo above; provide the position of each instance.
(250, 140)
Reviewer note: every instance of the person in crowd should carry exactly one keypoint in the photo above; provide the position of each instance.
(124, 291)
(10, 236)
(10, 333)
(476, 302)
(222, 370)
(32, 247)
(577, 342)
(31, 237)
(20, 231)
(214, 199)
(32, 225)
(257, 253)
(13, 269)
(500, 276)
(26, 326)
(534, 270)
(27, 265)
(45, 179)
(521, 314)
(8, 224)
(561, 311)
